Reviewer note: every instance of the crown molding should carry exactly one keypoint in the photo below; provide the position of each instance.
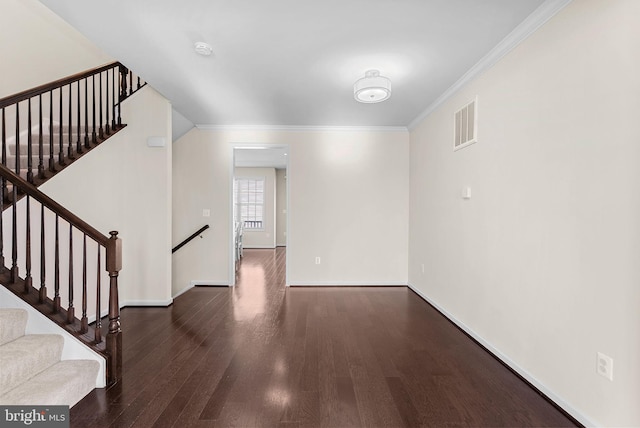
(292, 128)
(526, 28)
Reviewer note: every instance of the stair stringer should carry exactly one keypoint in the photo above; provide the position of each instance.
(37, 323)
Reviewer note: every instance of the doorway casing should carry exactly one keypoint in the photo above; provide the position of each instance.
(256, 146)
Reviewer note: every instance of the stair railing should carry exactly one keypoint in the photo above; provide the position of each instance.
(46, 128)
(47, 256)
(191, 237)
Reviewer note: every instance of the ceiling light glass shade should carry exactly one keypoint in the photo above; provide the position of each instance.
(372, 88)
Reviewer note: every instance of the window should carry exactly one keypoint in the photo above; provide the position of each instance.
(249, 194)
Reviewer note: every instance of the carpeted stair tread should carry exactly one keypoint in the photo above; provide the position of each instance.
(12, 324)
(25, 357)
(64, 383)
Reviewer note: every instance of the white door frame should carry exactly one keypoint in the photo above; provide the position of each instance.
(232, 267)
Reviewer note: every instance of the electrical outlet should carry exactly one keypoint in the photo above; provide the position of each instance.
(604, 366)
(317, 260)
(422, 267)
(206, 212)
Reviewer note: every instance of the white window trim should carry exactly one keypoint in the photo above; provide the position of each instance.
(264, 194)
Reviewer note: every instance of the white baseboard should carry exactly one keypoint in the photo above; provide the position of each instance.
(204, 282)
(146, 303)
(209, 282)
(105, 312)
(184, 290)
(346, 284)
(578, 415)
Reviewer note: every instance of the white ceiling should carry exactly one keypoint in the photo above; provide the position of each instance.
(294, 62)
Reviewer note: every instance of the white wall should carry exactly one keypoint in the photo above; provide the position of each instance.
(541, 264)
(38, 47)
(348, 205)
(281, 207)
(262, 238)
(125, 185)
(201, 173)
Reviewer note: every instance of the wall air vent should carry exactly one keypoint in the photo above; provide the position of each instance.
(465, 121)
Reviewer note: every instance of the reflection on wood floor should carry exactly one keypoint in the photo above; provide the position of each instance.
(260, 355)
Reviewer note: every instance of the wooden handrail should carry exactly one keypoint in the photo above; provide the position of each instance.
(186, 241)
(45, 200)
(33, 92)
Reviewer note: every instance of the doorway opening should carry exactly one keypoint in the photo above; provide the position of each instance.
(259, 202)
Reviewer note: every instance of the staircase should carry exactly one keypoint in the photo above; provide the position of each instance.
(50, 258)
(46, 128)
(53, 152)
(32, 370)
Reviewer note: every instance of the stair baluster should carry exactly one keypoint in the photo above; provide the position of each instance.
(78, 122)
(70, 309)
(84, 322)
(86, 115)
(70, 153)
(28, 281)
(61, 160)
(98, 328)
(130, 83)
(29, 144)
(56, 267)
(40, 140)
(17, 165)
(14, 235)
(43, 266)
(94, 137)
(107, 126)
(101, 131)
(52, 167)
(115, 95)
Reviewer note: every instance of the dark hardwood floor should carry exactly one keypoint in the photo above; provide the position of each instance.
(260, 355)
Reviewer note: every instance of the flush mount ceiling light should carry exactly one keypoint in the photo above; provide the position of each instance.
(372, 88)
(203, 48)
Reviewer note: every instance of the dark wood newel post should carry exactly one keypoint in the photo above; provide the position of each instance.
(124, 71)
(114, 336)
